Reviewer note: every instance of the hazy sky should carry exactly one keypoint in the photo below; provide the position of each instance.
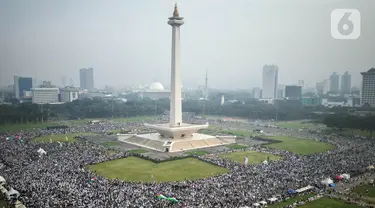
(129, 41)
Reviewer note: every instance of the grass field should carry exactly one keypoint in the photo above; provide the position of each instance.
(138, 151)
(60, 137)
(134, 119)
(366, 190)
(326, 202)
(3, 203)
(349, 132)
(320, 203)
(290, 201)
(299, 125)
(111, 152)
(236, 132)
(197, 152)
(19, 127)
(136, 169)
(110, 143)
(299, 146)
(236, 146)
(254, 157)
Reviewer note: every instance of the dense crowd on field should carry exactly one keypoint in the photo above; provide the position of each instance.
(59, 178)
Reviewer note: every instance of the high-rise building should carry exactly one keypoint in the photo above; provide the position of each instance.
(280, 93)
(301, 83)
(45, 95)
(86, 78)
(334, 81)
(63, 81)
(346, 83)
(22, 84)
(322, 87)
(68, 94)
(368, 87)
(269, 85)
(257, 93)
(293, 92)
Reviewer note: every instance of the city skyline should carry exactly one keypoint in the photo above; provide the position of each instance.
(64, 37)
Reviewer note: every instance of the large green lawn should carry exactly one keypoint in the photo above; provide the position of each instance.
(237, 146)
(138, 151)
(61, 137)
(197, 152)
(3, 203)
(234, 132)
(134, 119)
(366, 190)
(253, 157)
(19, 127)
(326, 202)
(299, 124)
(290, 201)
(111, 143)
(299, 146)
(136, 169)
(323, 202)
(348, 132)
(237, 132)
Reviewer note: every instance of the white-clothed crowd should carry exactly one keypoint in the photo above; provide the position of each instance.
(56, 179)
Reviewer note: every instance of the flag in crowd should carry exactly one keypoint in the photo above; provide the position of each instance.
(246, 160)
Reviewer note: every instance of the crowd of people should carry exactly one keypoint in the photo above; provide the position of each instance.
(60, 179)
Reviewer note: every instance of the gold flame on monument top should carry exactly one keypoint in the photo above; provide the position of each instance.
(175, 12)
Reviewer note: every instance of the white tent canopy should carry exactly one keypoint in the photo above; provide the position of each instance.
(304, 189)
(327, 181)
(2, 180)
(273, 199)
(345, 176)
(41, 152)
(263, 202)
(12, 194)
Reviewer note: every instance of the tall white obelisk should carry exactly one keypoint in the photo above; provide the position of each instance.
(175, 104)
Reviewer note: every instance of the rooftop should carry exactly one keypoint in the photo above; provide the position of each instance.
(372, 70)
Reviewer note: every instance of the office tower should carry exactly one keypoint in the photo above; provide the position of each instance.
(334, 81)
(86, 78)
(346, 83)
(322, 87)
(302, 84)
(63, 81)
(45, 95)
(269, 85)
(257, 93)
(293, 92)
(368, 87)
(22, 84)
(280, 92)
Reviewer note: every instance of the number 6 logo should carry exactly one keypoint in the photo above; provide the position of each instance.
(345, 24)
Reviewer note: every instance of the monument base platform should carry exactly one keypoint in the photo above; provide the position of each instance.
(180, 131)
(156, 141)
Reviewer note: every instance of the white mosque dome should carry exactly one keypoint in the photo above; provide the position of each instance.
(156, 86)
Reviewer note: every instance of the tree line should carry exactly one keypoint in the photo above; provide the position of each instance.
(98, 108)
(345, 121)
